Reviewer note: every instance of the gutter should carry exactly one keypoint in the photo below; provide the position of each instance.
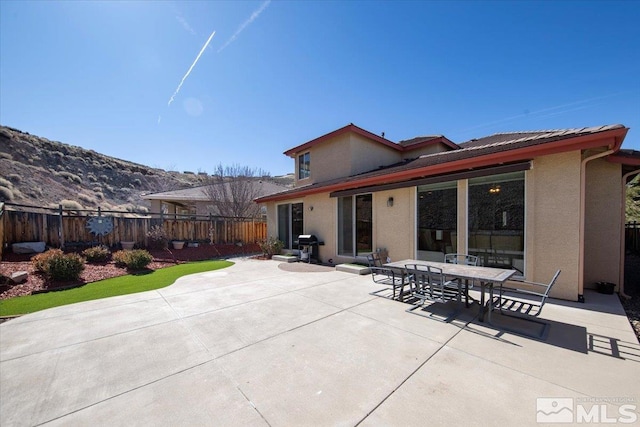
(622, 231)
(583, 202)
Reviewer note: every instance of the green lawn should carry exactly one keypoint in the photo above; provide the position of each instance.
(107, 288)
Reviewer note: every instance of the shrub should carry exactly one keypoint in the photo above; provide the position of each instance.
(71, 177)
(71, 205)
(271, 246)
(87, 199)
(97, 254)
(6, 194)
(136, 259)
(56, 265)
(157, 238)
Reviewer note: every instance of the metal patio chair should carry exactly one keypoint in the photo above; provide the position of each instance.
(385, 275)
(462, 259)
(428, 283)
(525, 303)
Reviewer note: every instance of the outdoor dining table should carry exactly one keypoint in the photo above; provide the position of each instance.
(486, 276)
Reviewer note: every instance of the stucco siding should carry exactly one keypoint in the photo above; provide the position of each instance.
(321, 221)
(602, 222)
(429, 149)
(272, 220)
(367, 155)
(393, 226)
(329, 160)
(552, 190)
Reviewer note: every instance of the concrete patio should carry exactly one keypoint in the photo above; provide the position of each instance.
(264, 344)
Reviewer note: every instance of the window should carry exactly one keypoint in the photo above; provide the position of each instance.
(304, 166)
(355, 225)
(290, 224)
(496, 220)
(437, 217)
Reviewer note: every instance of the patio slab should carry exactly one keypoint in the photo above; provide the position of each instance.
(258, 345)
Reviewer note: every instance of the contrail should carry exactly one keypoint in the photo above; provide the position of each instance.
(544, 112)
(245, 24)
(191, 68)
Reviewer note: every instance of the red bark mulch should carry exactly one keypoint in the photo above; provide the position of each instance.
(35, 282)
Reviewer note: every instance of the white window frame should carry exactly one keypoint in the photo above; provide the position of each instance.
(304, 159)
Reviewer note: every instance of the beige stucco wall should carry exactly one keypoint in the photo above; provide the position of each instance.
(429, 149)
(345, 155)
(552, 221)
(321, 222)
(394, 226)
(552, 191)
(367, 155)
(602, 222)
(328, 160)
(272, 220)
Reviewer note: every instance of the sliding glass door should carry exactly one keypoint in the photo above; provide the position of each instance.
(496, 220)
(290, 224)
(355, 225)
(437, 220)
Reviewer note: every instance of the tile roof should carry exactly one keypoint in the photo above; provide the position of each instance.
(266, 188)
(486, 147)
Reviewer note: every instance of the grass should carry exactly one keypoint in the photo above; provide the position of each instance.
(121, 285)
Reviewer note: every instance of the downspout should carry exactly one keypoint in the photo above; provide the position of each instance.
(622, 233)
(583, 204)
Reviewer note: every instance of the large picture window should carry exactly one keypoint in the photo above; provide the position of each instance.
(437, 218)
(304, 166)
(290, 224)
(355, 225)
(496, 220)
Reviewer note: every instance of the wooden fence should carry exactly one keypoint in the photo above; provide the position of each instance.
(632, 237)
(66, 228)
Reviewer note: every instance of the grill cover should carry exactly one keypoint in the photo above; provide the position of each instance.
(307, 239)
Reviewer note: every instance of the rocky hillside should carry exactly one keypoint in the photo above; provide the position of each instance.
(37, 171)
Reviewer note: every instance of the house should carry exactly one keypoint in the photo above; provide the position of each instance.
(198, 200)
(534, 201)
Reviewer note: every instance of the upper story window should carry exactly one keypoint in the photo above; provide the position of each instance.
(304, 165)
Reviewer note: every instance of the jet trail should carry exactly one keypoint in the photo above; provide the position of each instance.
(245, 24)
(191, 68)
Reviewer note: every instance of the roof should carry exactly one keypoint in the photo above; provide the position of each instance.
(407, 145)
(476, 153)
(199, 193)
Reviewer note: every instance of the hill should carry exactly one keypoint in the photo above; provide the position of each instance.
(37, 171)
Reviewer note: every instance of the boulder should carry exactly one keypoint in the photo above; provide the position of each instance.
(19, 276)
(28, 247)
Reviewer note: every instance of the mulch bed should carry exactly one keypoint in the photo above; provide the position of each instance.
(36, 283)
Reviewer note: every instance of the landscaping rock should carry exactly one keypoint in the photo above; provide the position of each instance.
(28, 247)
(19, 276)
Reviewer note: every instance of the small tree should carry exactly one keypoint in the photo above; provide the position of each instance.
(632, 211)
(232, 189)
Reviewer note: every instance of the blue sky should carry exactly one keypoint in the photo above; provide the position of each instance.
(276, 74)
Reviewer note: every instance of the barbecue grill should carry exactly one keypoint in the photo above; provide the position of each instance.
(308, 246)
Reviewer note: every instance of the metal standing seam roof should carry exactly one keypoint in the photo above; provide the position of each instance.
(497, 143)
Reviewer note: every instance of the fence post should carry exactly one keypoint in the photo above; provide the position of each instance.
(61, 229)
